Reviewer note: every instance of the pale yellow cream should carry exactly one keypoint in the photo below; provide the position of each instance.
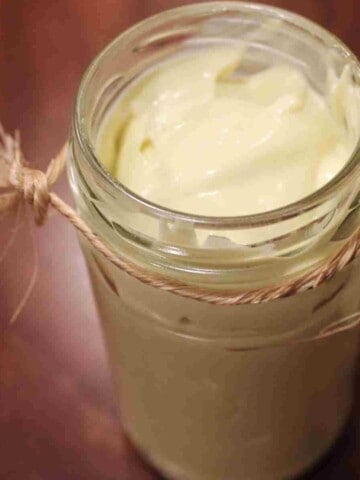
(200, 139)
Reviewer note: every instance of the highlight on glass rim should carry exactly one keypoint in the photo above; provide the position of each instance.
(179, 241)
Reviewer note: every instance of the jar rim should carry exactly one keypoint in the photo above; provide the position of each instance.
(351, 168)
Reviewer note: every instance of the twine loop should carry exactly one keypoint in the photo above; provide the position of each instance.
(19, 182)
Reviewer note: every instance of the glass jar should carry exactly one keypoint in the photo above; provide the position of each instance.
(210, 391)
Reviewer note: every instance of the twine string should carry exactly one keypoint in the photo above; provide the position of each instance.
(31, 284)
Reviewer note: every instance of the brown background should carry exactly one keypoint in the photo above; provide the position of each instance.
(58, 417)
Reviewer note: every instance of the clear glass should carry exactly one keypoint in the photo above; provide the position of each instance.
(212, 392)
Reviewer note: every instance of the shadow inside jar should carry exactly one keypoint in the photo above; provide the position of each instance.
(341, 462)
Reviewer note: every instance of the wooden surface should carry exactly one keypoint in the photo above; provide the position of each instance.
(58, 418)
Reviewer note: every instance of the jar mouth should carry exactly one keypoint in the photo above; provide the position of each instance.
(350, 170)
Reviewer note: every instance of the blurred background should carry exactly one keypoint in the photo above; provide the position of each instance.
(58, 418)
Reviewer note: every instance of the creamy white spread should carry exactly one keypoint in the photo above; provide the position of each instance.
(199, 138)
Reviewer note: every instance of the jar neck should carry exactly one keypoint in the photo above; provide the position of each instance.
(173, 249)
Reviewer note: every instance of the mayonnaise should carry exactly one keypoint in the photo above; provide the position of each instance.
(200, 139)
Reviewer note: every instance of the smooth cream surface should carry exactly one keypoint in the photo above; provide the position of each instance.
(200, 139)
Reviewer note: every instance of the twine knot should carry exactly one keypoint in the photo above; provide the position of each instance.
(31, 185)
